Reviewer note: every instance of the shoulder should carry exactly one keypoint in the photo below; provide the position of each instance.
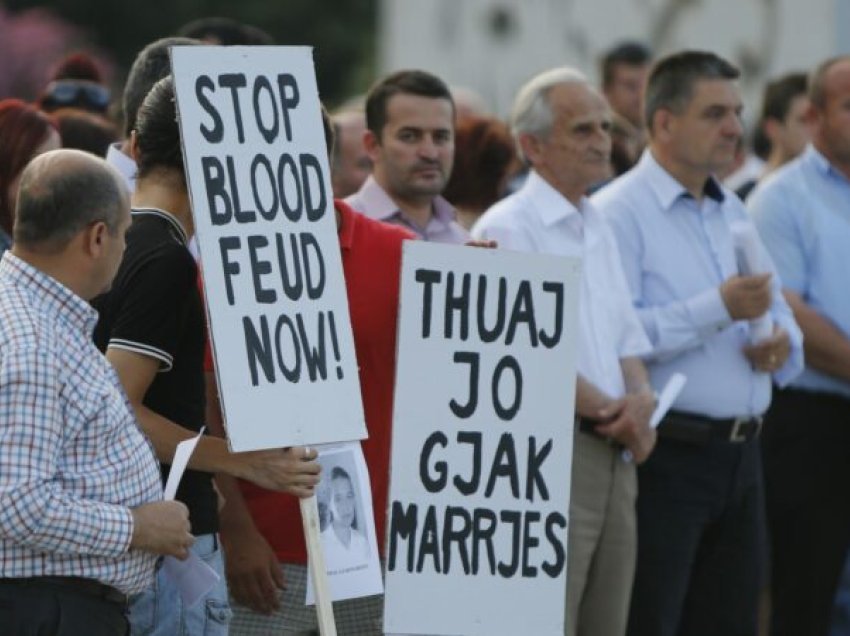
(505, 214)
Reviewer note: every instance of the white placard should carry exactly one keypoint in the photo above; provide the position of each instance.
(257, 171)
(347, 525)
(482, 442)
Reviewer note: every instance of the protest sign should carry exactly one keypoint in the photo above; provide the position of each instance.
(482, 442)
(257, 170)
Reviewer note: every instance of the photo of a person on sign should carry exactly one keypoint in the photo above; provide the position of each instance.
(343, 538)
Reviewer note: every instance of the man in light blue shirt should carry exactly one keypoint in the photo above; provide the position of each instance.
(700, 493)
(803, 214)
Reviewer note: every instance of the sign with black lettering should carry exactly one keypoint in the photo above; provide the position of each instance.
(257, 170)
(482, 442)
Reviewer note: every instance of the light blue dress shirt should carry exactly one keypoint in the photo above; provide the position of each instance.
(802, 212)
(676, 252)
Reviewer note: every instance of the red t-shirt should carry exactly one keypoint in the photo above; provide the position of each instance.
(371, 263)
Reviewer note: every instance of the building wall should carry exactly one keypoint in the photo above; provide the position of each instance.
(493, 46)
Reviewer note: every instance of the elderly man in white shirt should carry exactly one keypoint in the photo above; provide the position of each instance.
(561, 125)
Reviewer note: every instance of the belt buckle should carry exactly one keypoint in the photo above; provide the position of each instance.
(737, 436)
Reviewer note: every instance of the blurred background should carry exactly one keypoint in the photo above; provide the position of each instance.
(489, 46)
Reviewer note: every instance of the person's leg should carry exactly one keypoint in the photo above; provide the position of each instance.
(726, 576)
(32, 610)
(293, 618)
(676, 494)
(159, 611)
(605, 609)
(591, 478)
(807, 459)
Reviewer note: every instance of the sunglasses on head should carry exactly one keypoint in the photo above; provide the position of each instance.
(76, 93)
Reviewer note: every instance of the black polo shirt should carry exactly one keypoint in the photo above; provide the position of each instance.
(154, 308)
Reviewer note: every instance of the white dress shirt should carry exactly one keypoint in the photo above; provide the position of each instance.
(537, 218)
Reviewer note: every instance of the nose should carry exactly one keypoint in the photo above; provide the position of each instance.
(428, 148)
(734, 126)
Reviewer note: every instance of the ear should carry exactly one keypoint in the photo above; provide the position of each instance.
(134, 146)
(771, 129)
(531, 147)
(662, 123)
(94, 239)
(372, 144)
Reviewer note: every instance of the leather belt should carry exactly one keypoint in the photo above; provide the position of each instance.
(699, 429)
(89, 587)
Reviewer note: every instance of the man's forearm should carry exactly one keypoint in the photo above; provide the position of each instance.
(211, 454)
(826, 347)
(589, 399)
(635, 375)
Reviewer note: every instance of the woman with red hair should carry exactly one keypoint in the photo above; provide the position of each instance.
(24, 133)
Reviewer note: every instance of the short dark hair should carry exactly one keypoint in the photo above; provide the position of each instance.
(779, 94)
(150, 66)
(817, 88)
(226, 31)
(671, 81)
(54, 205)
(628, 53)
(420, 83)
(157, 131)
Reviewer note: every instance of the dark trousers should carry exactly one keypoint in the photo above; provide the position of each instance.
(48, 610)
(700, 519)
(806, 448)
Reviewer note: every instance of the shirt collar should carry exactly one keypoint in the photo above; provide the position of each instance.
(381, 206)
(167, 216)
(820, 163)
(552, 206)
(49, 293)
(667, 189)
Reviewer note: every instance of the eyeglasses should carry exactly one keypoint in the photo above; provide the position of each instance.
(76, 92)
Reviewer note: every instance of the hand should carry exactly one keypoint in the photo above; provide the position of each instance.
(770, 354)
(162, 527)
(293, 470)
(489, 244)
(746, 297)
(253, 573)
(627, 422)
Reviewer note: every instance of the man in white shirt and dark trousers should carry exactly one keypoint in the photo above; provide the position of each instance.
(561, 125)
(700, 494)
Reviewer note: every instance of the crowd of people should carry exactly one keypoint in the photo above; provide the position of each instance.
(728, 519)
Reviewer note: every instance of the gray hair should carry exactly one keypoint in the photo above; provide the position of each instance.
(531, 113)
(63, 191)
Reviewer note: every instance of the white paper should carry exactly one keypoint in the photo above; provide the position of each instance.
(666, 398)
(178, 464)
(747, 254)
(353, 571)
(192, 577)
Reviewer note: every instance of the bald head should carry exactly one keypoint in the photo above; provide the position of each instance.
(61, 193)
(351, 163)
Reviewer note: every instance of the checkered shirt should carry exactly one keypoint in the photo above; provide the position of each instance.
(73, 460)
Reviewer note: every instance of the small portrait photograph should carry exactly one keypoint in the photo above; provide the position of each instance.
(341, 513)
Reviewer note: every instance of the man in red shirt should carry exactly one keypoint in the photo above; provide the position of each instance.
(261, 530)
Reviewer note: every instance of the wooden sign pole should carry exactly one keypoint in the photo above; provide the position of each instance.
(316, 558)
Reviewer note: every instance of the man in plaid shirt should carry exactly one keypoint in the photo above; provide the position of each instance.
(81, 520)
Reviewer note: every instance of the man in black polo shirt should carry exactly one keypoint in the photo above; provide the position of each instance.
(152, 329)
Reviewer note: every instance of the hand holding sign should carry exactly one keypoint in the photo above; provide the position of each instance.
(292, 470)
